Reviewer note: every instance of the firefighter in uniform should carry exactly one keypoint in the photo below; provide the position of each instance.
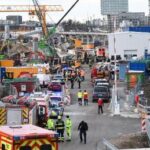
(50, 124)
(60, 127)
(68, 124)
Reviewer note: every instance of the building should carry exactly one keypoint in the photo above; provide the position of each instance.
(135, 18)
(128, 44)
(113, 7)
(14, 19)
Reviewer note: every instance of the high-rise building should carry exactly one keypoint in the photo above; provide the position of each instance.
(113, 7)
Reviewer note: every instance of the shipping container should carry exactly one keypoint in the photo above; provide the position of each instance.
(122, 71)
(139, 66)
(139, 29)
(6, 63)
(16, 71)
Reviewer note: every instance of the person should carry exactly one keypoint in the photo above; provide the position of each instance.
(79, 81)
(72, 82)
(50, 124)
(85, 97)
(83, 75)
(68, 125)
(60, 127)
(83, 128)
(100, 105)
(79, 97)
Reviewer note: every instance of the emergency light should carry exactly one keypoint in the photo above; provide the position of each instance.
(16, 138)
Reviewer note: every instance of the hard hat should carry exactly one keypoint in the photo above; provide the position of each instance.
(59, 117)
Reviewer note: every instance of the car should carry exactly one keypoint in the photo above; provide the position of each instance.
(101, 91)
(55, 112)
(56, 101)
(104, 82)
(59, 77)
(55, 85)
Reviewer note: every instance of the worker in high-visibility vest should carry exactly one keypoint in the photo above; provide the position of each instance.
(79, 97)
(50, 124)
(60, 127)
(68, 125)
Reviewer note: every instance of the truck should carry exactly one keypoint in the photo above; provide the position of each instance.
(27, 137)
(17, 111)
(22, 111)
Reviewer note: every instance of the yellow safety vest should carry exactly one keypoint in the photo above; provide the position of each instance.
(50, 124)
(68, 123)
(79, 94)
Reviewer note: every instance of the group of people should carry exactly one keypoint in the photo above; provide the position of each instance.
(82, 96)
(61, 126)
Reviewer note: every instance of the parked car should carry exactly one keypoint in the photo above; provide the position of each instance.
(56, 101)
(59, 77)
(55, 85)
(101, 91)
(104, 82)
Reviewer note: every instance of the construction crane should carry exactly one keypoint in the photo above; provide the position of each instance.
(45, 43)
(32, 10)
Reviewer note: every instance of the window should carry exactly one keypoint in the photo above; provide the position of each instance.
(46, 147)
(25, 148)
(42, 110)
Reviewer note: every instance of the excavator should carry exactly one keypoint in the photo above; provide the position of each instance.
(46, 41)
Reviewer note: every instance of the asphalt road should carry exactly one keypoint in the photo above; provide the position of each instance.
(100, 126)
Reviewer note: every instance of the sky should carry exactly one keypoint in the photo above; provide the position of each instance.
(84, 9)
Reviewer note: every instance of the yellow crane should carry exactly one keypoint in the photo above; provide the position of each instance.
(32, 11)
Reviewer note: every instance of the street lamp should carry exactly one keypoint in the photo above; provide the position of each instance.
(115, 105)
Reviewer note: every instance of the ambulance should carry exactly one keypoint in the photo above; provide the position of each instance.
(27, 137)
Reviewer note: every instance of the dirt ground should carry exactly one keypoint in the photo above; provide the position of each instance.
(138, 140)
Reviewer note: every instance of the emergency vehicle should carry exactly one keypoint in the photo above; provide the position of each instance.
(27, 137)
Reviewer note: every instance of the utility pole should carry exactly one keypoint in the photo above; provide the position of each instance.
(115, 105)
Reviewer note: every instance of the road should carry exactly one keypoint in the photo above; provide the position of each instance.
(100, 126)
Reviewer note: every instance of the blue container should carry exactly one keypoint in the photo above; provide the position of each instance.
(122, 71)
(139, 29)
(138, 66)
(2, 72)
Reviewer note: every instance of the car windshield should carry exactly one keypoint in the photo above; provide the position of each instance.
(58, 77)
(100, 89)
(55, 99)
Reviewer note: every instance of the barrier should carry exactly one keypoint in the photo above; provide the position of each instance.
(143, 124)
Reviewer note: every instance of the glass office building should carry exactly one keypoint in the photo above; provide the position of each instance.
(113, 7)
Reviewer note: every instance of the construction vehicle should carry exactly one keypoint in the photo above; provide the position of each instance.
(27, 137)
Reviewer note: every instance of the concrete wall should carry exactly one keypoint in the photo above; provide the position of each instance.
(126, 41)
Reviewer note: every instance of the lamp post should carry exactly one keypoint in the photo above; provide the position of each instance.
(115, 105)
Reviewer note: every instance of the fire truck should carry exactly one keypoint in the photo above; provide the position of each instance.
(22, 111)
(27, 137)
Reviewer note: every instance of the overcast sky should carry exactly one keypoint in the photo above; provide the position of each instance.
(85, 9)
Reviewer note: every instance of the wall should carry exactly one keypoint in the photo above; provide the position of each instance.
(128, 41)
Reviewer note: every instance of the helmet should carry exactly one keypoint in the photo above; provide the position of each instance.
(59, 117)
(67, 116)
